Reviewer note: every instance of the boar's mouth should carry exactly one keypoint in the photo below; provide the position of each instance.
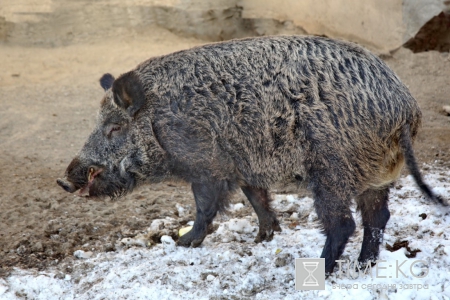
(85, 190)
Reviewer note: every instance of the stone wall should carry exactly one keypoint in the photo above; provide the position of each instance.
(381, 25)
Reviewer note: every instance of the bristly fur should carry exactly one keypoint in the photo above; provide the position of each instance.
(275, 107)
(257, 113)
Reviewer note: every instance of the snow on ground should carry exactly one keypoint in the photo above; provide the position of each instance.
(229, 265)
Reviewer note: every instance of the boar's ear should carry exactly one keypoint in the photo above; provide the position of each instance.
(129, 93)
(106, 81)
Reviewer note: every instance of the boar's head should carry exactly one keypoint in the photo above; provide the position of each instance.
(122, 151)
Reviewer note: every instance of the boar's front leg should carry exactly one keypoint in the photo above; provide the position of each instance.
(209, 197)
(268, 223)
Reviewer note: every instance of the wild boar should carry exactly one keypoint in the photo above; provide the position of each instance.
(253, 114)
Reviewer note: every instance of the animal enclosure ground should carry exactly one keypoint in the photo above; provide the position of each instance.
(49, 98)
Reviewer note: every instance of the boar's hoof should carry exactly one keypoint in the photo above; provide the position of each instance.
(190, 240)
(276, 226)
(265, 232)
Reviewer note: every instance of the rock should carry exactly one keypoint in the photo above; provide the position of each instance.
(108, 247)
(37, 247)
(22, 250)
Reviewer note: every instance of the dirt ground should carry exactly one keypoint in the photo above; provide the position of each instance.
(49, 98)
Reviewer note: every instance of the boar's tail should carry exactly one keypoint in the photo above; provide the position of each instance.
(406, 145)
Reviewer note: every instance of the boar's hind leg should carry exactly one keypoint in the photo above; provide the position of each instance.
(209, 199)
(373, 205)
(338, 224)
(268, 223)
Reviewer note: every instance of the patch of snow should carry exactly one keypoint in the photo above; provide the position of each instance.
(237, 206)
(139, 241)
(168, 244)
(240, 225)
(294, 216)
(3, 286)
(82, 254)
(230, 265)
(180, 209)
(252, 284)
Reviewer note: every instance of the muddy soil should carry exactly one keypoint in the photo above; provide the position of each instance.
(49, 98)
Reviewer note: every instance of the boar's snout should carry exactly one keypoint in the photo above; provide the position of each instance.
(79, 175)
(66, 185)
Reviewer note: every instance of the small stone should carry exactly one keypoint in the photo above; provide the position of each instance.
(210, 277)
(109, 247)
(37, 247)
(21, 250)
